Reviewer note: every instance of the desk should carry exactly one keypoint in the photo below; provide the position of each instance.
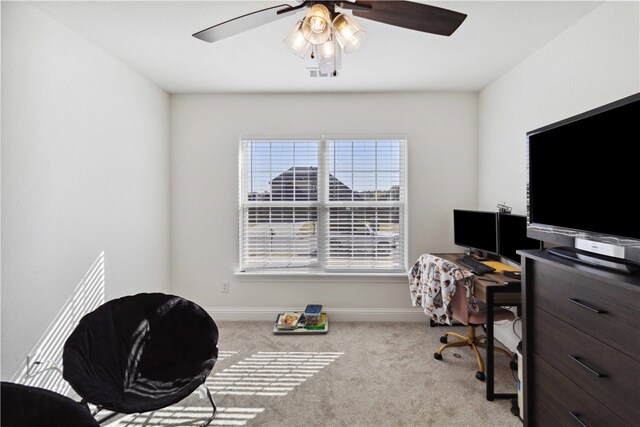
(492, 294)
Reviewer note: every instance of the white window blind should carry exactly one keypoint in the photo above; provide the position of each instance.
(365, 207)
(323, 204)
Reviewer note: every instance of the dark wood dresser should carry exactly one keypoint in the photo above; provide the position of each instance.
(581, 343)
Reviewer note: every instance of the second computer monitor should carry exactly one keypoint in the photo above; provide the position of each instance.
(512, 236)
(476, 230)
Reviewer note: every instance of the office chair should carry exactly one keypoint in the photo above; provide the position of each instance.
(461, 313)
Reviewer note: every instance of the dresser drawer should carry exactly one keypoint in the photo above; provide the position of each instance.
(566, 402)
(543, 417)
(602, 309)
(617, 387)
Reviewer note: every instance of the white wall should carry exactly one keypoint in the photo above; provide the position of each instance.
(85, 169)
(594, 62)
(441, 129)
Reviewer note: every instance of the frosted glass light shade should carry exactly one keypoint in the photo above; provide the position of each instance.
(296, 42)
(327, 50)
(316, 26)
(328, 57)
(349, 34)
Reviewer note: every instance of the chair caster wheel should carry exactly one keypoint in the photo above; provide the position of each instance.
(513, 365)
(443, 339)
(480, 376)
(437, 356)
(515, 410)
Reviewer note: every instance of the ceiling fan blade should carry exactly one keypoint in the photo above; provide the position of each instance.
(414, 16)
(243, 23)
(352, 5)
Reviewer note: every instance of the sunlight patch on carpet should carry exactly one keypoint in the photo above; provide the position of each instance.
(224, 354)
(189, 416)
(270, 373)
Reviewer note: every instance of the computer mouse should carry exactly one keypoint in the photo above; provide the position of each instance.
(513, 274)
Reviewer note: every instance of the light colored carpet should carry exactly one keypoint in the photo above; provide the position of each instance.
(358, 374)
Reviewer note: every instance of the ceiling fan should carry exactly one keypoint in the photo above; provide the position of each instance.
(327, 32)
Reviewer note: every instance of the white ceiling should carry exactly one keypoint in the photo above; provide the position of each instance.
(154, 38)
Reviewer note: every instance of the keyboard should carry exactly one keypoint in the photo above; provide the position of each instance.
(476, 267)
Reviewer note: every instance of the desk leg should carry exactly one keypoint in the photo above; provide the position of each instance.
(491, 395)
(489, 376)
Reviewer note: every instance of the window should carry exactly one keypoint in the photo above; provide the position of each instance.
(324, 204)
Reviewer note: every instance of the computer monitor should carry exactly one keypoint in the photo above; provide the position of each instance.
(512, 236)
(476, 230)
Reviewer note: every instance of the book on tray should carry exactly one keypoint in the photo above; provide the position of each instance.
(288, 320)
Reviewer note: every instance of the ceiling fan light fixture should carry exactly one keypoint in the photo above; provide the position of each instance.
(296, 42)
(322, 24)
(316, 26)
(348, 32)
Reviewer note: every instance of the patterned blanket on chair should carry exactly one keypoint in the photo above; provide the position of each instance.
(432, 283)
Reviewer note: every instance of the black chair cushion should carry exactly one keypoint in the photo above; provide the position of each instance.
(32, 406)
(141, 353)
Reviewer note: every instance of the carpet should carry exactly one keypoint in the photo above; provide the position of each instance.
(358, 374)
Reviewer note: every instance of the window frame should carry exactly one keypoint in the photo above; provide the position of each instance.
(323, 204)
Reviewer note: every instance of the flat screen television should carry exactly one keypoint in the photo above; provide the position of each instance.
(476, 230)
(583, 173)
(512, 236)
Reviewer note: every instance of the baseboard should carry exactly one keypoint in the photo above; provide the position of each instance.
(335, 314)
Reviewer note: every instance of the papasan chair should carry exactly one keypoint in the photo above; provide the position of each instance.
(141, 353)
(23, 405)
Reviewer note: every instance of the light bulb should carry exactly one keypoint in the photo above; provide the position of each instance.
(316, 26)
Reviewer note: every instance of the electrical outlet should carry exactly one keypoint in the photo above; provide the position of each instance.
(32, 358)
(32, 361)
(225, 287)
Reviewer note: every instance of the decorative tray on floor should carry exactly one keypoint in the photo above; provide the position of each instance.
(321, 328)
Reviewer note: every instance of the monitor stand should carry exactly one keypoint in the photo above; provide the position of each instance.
(478, 255)
(602, 261)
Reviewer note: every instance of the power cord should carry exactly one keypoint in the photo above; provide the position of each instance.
(49, 365)
(513, 327)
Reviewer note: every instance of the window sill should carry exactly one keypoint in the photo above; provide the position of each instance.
(353, 276)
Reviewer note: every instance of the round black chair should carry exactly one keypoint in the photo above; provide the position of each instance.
(141, 353)
(33, 406)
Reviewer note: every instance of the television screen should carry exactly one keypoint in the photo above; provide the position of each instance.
(583, 172)
(476, 230)
(512, 236)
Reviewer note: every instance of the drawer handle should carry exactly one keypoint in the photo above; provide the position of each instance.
(577, 418)
(583, 305)
(587, 367)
